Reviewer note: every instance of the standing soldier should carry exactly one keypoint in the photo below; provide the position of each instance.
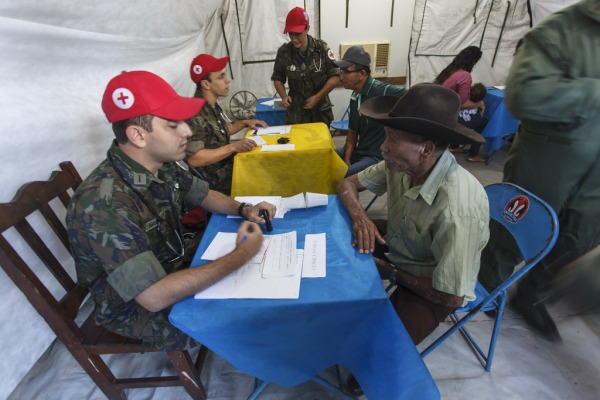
(308, 65)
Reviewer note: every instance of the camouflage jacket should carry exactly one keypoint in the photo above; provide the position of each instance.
(306, 73)
(209, 131)
(120, 247)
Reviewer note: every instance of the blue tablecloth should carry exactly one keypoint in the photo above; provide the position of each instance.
(501, 121)
(343, 319)
(272, 116)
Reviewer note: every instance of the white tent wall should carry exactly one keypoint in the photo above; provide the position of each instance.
(57, 57)
(368, 21)
(441, 29)
(250, 32)
(540, 9)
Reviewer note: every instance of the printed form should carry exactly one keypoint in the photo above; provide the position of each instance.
(276, 277)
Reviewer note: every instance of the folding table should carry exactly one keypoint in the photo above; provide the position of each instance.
(344, 318)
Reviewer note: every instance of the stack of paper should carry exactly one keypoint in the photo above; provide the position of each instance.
(274, 130)
(285, 204)
(273, 273)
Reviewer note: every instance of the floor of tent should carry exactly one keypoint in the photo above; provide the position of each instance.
(525, 365)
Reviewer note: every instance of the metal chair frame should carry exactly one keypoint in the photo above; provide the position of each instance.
(341, 124)
(535, 232)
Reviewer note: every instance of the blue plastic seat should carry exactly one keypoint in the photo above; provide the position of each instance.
(534, 226)
(342, 124)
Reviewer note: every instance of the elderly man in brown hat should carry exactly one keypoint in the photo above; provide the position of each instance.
(438, 213)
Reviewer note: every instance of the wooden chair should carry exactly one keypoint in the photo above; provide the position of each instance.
(88, 341)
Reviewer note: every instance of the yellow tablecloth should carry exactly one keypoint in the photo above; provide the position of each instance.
(313, 165)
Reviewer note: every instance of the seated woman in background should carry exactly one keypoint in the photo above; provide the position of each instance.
(457, 77)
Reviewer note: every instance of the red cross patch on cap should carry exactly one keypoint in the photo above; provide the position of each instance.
(205, 63)
(135, 93)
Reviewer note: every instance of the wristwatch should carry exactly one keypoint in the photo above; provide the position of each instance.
(241, 208)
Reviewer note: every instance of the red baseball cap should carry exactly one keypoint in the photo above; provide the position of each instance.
(296, 20)
(135, 93)
(205, 63)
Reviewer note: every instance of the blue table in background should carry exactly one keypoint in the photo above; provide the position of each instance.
(273, 116)
(501, 121)
(345, 318)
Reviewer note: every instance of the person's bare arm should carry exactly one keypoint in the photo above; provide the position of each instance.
(351, 141)
(363, 229)
(187, 282)
(219, 203)
(210, 156)
(472, 104)
(245, 123)
(286, 100)
(420, 285)
(330, 84)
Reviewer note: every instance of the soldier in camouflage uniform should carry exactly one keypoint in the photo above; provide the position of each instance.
(307, 63)
(124, 220)
(209, 149)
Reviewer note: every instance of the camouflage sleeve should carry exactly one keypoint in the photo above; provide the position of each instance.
(116, 238)
(136, 275)
(196, 193)
(281, 63)
(329, 56)
(199, 129)
(194, 190)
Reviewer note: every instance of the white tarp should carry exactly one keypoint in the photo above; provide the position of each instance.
(57, 57)
(250, 32)
(442, 28)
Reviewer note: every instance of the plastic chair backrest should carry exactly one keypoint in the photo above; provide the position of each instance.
(342, 124)
(530, 220)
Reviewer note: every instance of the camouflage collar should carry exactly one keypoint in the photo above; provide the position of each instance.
(312, 46)
(133, 173)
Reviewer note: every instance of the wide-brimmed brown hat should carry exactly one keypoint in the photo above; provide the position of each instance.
(427, 110)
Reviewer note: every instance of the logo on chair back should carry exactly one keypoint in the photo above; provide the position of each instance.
(515, 209)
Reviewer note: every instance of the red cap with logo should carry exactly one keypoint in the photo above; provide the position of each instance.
(135, 93)
(296, 20)
(205, 63)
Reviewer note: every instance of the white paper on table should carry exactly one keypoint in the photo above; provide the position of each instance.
(277, 147)
(302, 200)
(268, 102)
(499, 87)
(294, 202)
(258, 140)
(224, 243)
(316, 199)
(299, 260)
(274, 130)
(280, 259)
(314, 263)
(248, 281)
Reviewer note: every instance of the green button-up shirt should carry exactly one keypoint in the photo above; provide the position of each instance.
(437, 229)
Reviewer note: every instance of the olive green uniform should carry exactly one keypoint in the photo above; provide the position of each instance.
(306, 72)
(553, 88)
(209, 131)
(121, 247)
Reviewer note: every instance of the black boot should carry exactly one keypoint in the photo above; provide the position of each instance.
(537, 317)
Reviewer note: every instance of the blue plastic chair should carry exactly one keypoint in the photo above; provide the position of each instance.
(342, 124)
(534, 226)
